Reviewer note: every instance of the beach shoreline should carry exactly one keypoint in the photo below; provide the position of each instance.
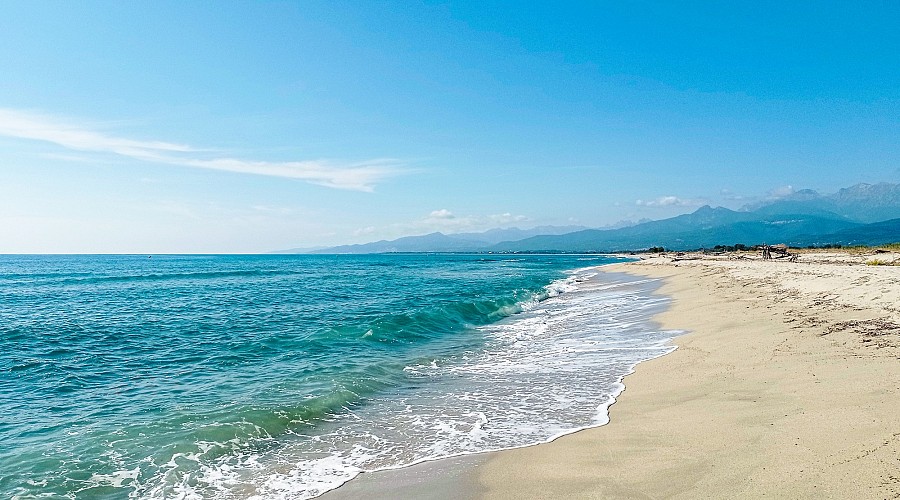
(608, 332)
(785, 386)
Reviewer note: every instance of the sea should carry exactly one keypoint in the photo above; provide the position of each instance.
(284, 376)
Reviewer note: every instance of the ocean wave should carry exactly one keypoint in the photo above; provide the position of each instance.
(278, 377)
(552, 370)
(460, 315)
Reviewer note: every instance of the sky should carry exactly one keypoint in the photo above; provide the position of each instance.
(245, 127)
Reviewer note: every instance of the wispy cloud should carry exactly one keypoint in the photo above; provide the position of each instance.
(44, 128)
(360, 176)
(364, 231)
(670, 201)
(729, 195)
(445, 221)
(781, 192)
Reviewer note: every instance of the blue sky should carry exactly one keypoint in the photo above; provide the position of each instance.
(152, 127)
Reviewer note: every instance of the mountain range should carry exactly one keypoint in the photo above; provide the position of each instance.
(458, 242)
(864, 214)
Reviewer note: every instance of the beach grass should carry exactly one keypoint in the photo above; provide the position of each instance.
(881, 262)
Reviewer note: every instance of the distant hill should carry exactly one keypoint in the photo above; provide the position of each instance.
(877, 233)
(439, 242)
(434, 242)
(300, 250)
(494, 236)
(862, 214)
(706, 227)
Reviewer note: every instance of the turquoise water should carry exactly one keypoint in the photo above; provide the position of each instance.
(284, 376)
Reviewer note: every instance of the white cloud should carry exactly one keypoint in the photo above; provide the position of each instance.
(781, 192)
(669, 201)
(360, 176)
(441, 214)
(446, 221)
(43, 128)
(506, 218)
(440, 220)
(730, 195)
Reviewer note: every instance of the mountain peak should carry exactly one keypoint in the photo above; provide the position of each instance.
(708, 210)
(803, 195)
(866, 190)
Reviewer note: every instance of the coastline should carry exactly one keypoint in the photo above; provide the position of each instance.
(438, 478)
(786, 385)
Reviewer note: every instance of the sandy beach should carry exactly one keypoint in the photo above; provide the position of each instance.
(787, 386)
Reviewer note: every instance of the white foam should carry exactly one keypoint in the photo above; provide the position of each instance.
(115, 479)
(553, 369)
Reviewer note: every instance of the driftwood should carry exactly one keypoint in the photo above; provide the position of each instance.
(781, 251)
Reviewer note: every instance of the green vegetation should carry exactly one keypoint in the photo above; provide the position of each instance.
(879, 262)
(824, 247)
(737, 247)
(865, 249)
